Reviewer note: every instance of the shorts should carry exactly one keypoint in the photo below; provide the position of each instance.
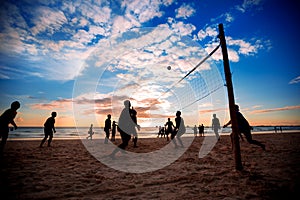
(48, 133)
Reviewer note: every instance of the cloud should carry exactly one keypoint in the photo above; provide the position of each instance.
(61, 104)
(235, 47)
(47, 19)
(247, 4)
(143, 10)
(122, 24)
(245, 48)
(295, 80)
(276, 109)
(185, 11)
(208, 32)
(182, 28)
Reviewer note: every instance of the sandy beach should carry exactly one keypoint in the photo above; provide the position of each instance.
(68, 171)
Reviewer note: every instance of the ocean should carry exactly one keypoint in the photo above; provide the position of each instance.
(147, 132)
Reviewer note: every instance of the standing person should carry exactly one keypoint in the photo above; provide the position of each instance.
(201, 130)
(107, 128)
(179, 129)
(216, 126)
(90, 132)
(159, 131)
(169, 128)
(49, 129)
(245, 128)
(195, 131)
(133, 115)
(113, 131)
(5, 119)
(126, 126)
(275, 129)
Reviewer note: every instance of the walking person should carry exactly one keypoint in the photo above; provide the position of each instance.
(90, 132)
(49, 129)
(245, 128)
(5, 119)
(179, 130)
(216, 126)
(107, 128)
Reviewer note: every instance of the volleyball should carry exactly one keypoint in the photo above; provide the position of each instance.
(169, 67)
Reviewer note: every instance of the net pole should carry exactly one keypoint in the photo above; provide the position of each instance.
(234, 123)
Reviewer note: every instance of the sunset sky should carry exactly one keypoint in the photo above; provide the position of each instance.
(82, 59)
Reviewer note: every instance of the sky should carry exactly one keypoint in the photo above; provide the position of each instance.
(82, 59)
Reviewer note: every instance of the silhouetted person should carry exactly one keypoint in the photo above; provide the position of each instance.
(275, 129)
(49, 129)
(107, 128)
(179, 129)
(5, 119)
(90, 132)
(113, 131)
(133, 115)
(126, 126)
(195, 131)
(169, 128)
(161, 132)
(216, 126)
(245, 128)
(201, 130)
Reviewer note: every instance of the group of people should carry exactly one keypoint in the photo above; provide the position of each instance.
(174, 130)
(200, 129)
(127, 125)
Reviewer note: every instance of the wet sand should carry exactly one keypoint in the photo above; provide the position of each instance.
(68, 171)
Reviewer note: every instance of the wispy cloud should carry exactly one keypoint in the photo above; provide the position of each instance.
(276, 109)
(63, 104)
(247, 4)
(295, 80)
(47, 19)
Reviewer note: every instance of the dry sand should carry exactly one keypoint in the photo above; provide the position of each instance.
(68, 171)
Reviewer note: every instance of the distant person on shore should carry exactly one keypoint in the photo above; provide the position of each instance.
(113, 131)
(195, 131)
(107, 128)
(275, 129)
(179, 130)
(49, 129)
(216, 126)
(161, 132)
(126, 126)
(169, 128)
(5, 119)
(90, 132)
(245, 128)
(201, 130)
(133, 115)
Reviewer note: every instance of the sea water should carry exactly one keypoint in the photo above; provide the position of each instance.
(145, 132)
